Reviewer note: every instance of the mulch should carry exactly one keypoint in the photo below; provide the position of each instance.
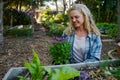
(18, 49)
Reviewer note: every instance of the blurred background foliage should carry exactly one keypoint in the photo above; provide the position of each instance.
(22, 12)
(102, 10)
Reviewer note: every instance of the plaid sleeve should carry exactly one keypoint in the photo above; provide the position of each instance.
(95, 50)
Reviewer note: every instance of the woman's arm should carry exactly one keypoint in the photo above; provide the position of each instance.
(95, 50)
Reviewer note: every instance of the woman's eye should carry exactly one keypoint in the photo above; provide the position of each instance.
(76, 17)
(71, 18)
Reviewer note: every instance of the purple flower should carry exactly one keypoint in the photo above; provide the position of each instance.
(58, 39)
(83, 75)
(64, 36)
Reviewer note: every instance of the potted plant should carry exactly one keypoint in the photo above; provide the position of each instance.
(60, 51)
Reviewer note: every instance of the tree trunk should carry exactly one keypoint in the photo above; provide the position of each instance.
(1, 23)
(118, 38)
(64, 6)
(56, 6)
(17, 5)
(32, 14)
(69, 4)
(79, 1)
(20, 5)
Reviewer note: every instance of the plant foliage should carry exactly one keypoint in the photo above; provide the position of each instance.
(64, 73)
(108, 28)
(15, 31)
(38, 71)
(35, 68)
(56, 30)
(61, 48)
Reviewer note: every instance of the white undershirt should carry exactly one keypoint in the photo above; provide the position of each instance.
(79, 49)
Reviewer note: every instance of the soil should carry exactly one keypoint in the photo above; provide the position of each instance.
(18, 49)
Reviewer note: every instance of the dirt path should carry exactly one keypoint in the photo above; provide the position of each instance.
(17, 50)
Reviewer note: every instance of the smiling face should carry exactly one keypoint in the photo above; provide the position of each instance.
(76, 18)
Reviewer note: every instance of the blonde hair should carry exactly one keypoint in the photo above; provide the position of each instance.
(89, 23)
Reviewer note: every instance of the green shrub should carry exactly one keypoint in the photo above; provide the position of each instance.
(108, 28)
(48, 21)
(14, 17)
(113, 31)
(60, 52)
(56, 30)
(16, 32)
(47, 17)
(61, 18)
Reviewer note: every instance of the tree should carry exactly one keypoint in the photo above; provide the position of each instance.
(80, 1)
(118, 38)
(56, 5)
(18, 4)
(64, 6)
(1, 23)
(103, 10)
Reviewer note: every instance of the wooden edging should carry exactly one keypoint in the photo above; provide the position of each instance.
(110, 55)
(90, 65)
(108, 40)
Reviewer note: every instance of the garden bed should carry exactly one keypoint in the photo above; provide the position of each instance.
(17, 50)
(94, 70)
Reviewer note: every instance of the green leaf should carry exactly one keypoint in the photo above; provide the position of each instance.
(63, 50)
(48, 69)
(115, 72)
(64, 73)
(35, 58)
(36, 70)
(21, 77)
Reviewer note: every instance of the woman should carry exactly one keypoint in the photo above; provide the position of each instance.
(83, 35)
